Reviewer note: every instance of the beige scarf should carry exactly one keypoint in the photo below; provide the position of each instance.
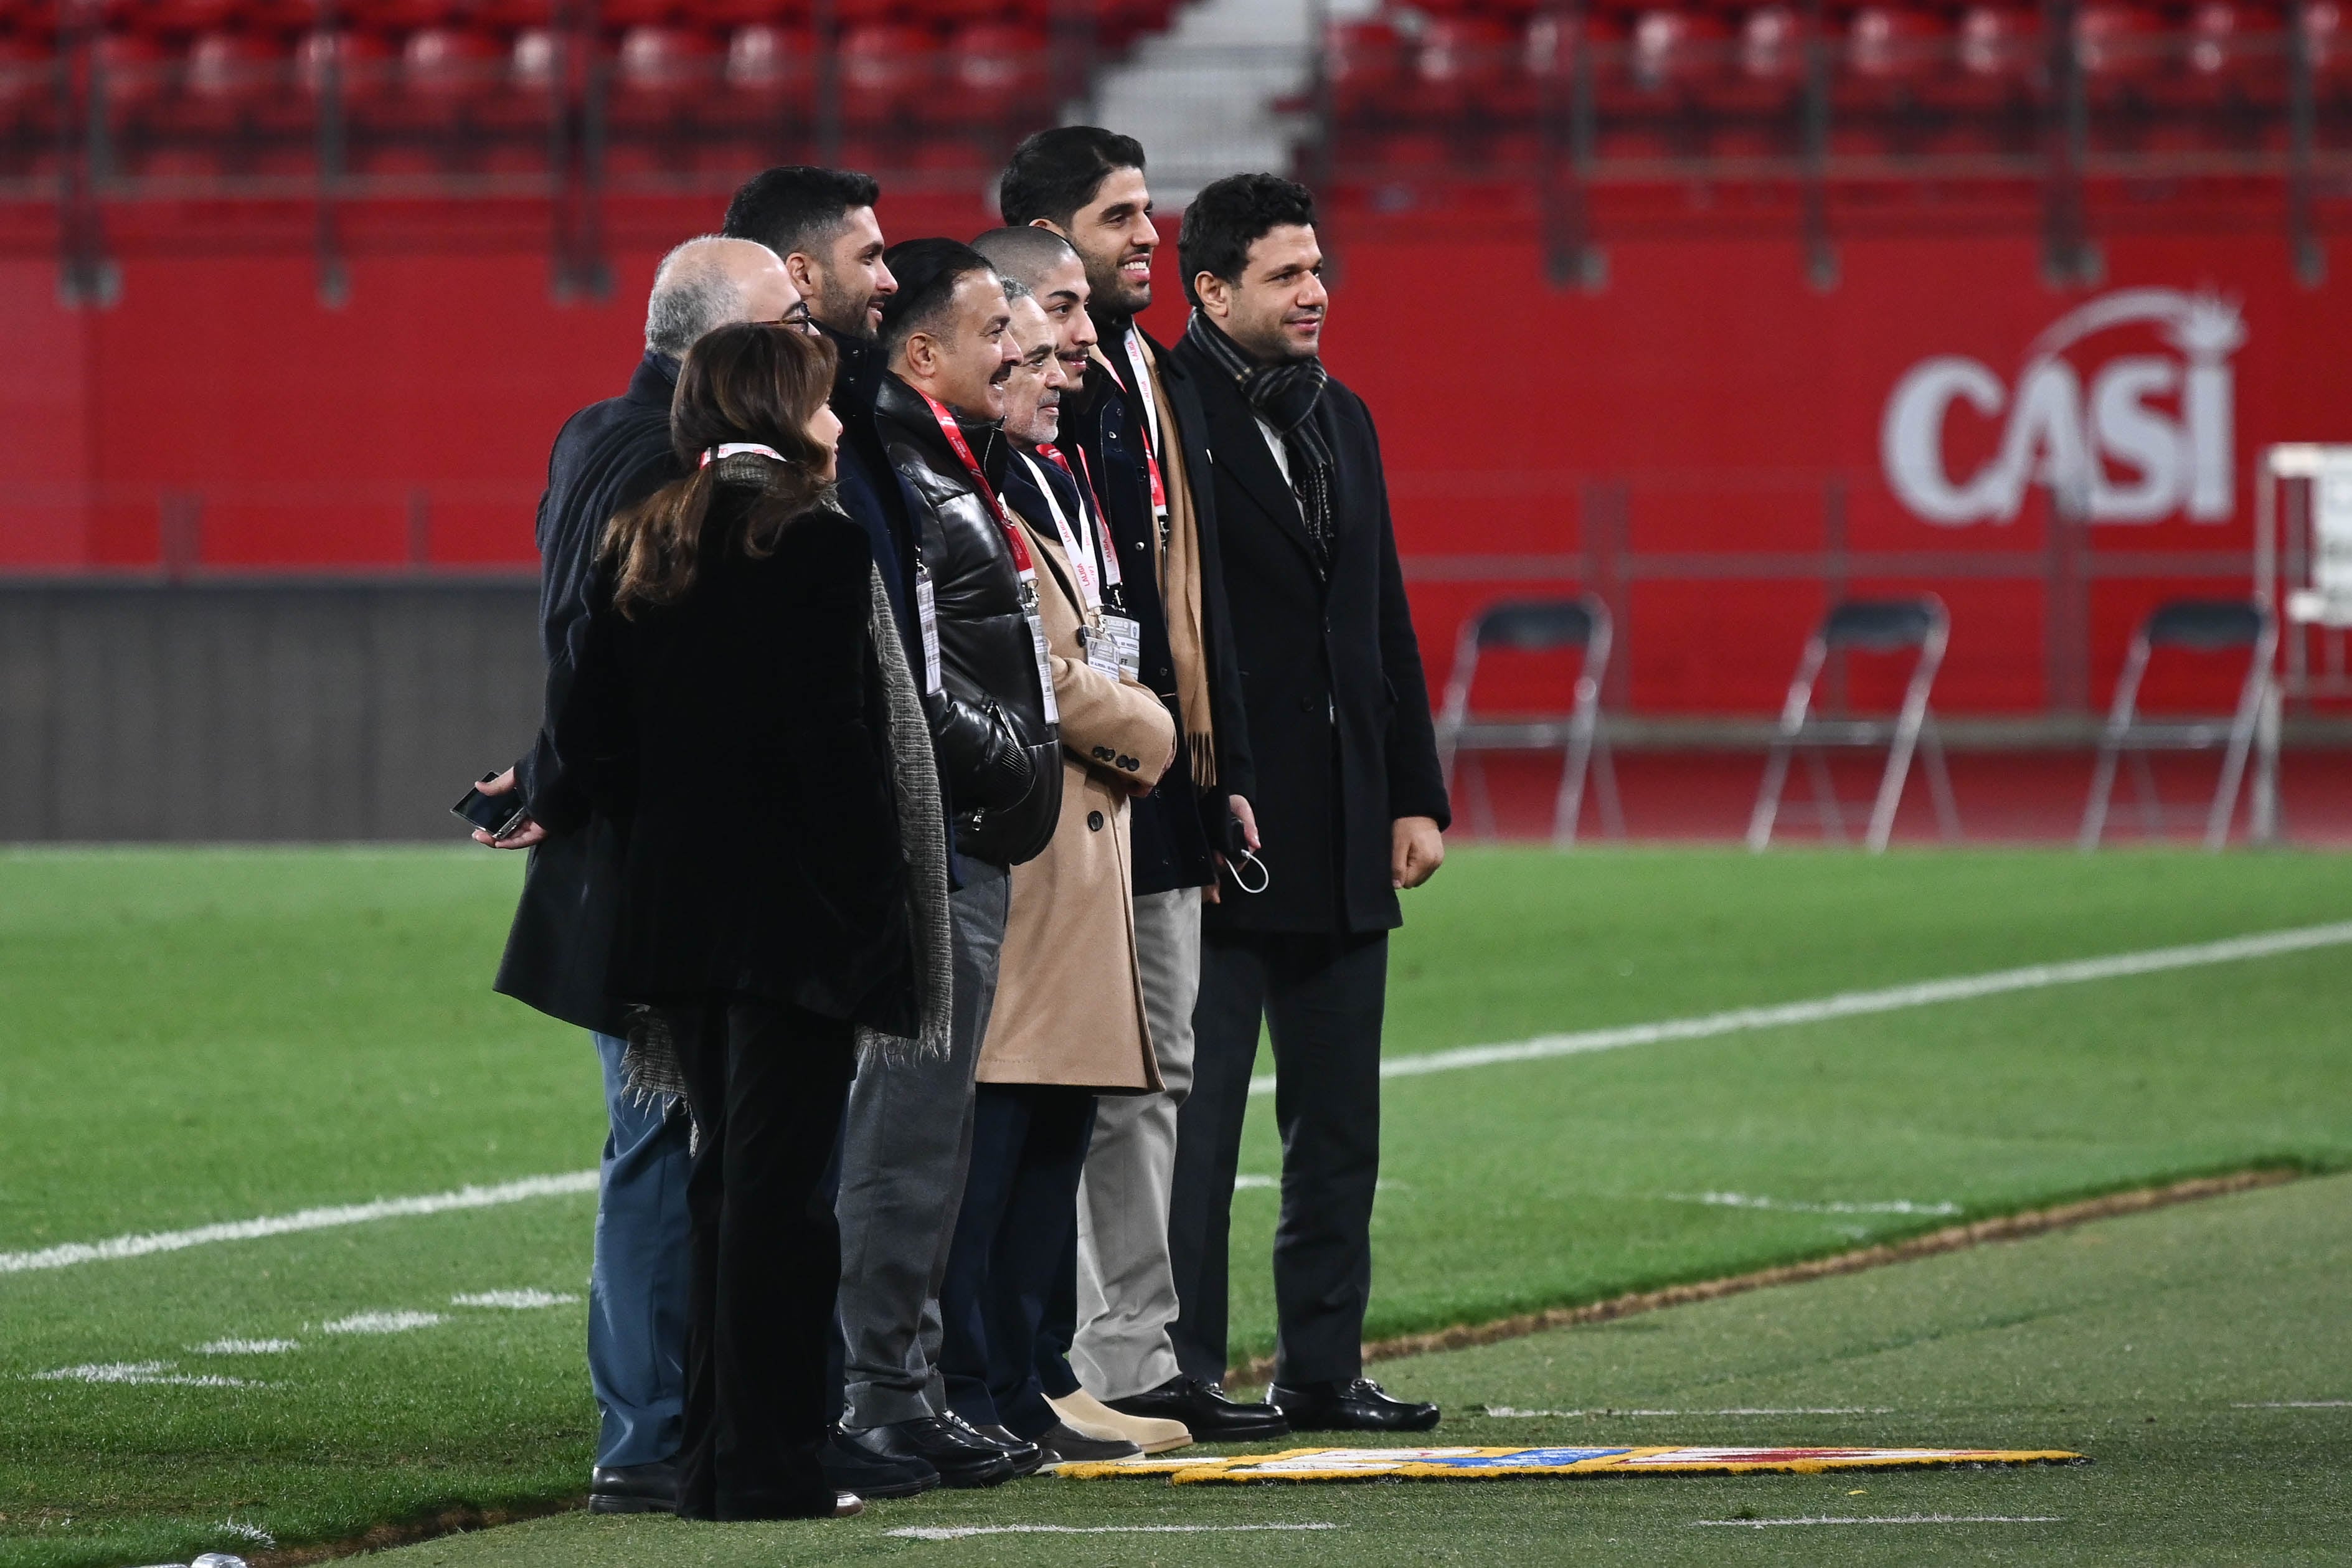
(1180, 593)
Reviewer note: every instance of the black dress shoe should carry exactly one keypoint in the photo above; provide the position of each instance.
(1026, 1457)
(960, 1454)
(850, 1469)
(1063, 1445)
(1202, 1406)
(1357, 1405)
(634, 1489)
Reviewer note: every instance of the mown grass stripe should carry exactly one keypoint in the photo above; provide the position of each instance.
(1857, 1003)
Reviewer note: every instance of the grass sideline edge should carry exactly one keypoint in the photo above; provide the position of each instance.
(1257, 1371)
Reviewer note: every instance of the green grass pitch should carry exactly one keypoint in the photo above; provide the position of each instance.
(197, 1037)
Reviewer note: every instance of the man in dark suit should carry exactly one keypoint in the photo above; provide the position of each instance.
(1351, 804)
(609, 456)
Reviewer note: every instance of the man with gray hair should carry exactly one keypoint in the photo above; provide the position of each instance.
(609, 456)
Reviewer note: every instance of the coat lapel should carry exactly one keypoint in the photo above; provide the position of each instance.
(1241, 450)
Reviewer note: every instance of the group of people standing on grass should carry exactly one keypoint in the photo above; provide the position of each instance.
(968, 722)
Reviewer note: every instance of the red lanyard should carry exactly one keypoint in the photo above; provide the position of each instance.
(1102, 529)
(1150, 416)
(954, 433)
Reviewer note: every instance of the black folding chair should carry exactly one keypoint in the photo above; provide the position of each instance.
(2196, 626)
(1874, 626)
(1536, 626)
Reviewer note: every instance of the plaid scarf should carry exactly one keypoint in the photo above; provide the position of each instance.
(1284, 395)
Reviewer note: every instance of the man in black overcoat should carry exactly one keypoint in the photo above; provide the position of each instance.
(1351, 804)
(609, 456)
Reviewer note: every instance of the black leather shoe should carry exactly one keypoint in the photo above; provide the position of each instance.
(635, 1489)
(1026, 1457)
(1358, 1405)
(1202, 1406)
(850, 1469)
(1064, 1446)
(960, 1456)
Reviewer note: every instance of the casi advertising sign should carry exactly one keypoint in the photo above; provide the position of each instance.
(2116, 436)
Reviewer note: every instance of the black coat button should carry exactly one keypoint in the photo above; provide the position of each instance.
(1307, 705)
(1094, 822)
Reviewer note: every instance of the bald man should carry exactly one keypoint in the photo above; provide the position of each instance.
(609, 456)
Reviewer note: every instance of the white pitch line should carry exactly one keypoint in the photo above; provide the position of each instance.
(960, 1531)
(1856, 1003)
(2298, 1404)
(73, 1252)
(1892, 1518)
(1513, 1413)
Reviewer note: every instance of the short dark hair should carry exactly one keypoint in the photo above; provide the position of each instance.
(797, 207)
(1022, 254)
(1231, 214)
(928, 271)
(1056, 172)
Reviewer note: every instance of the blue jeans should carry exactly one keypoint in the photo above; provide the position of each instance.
(637, 1290)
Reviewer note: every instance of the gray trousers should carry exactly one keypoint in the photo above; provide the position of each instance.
(905, 1145)
(1127, 1287)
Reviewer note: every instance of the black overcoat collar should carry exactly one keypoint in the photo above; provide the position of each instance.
(1241, 450)
(654, 381)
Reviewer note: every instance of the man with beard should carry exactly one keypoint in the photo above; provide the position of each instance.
(822, 223)
(908, 1143)
(1349, 796)
(1136, 424)
(610, 456)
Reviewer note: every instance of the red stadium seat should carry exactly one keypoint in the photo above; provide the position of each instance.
(513, 16)
(666, 62)
(2118, 43)
(232, 68)
(27, 78)
(851, 14)
(1678, 50)
(531, 62)
(2000, 55)
(365, 60)
(1465, 65)
(1772, 45)
(135, 70)
(620, 15)
(1893, 44)
(995, 71)
(766, 61)
(1549, 56)
(449, 64)
(2235, 50)
(1366, 65)
(886, 70)
(2327, 37)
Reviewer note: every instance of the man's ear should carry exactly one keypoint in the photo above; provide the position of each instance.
(1049, 225)
(923, 353)
(1216, 295)
(802, 272)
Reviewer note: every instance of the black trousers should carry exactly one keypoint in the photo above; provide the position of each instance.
(766, 1082)
(1020, 1216)
(1321, 999)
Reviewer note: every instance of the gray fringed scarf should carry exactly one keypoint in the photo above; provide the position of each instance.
(651, 1064)
(1284, 395)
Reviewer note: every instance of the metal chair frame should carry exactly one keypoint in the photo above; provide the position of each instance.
(2202, 625)
(1582, 735)
(1880, 625)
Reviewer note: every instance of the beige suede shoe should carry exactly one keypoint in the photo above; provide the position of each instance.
(1084, 1413)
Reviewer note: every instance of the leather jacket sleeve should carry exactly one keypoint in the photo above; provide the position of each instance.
(985, 763)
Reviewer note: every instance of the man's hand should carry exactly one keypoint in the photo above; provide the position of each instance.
(1416, 849)
(526, 834)
(1240, 808)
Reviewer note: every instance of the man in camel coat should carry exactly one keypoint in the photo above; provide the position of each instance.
(1069, 1020)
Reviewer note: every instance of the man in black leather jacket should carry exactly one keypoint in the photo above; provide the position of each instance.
(908, 1137)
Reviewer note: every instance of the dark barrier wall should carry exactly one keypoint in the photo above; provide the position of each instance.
(345, 711)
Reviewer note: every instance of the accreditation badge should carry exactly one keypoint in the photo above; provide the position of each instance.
(1122, 638)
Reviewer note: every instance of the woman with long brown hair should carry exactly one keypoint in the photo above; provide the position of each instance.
(744, 708)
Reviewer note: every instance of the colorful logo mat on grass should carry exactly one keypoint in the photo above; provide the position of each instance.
(1481, 1464)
